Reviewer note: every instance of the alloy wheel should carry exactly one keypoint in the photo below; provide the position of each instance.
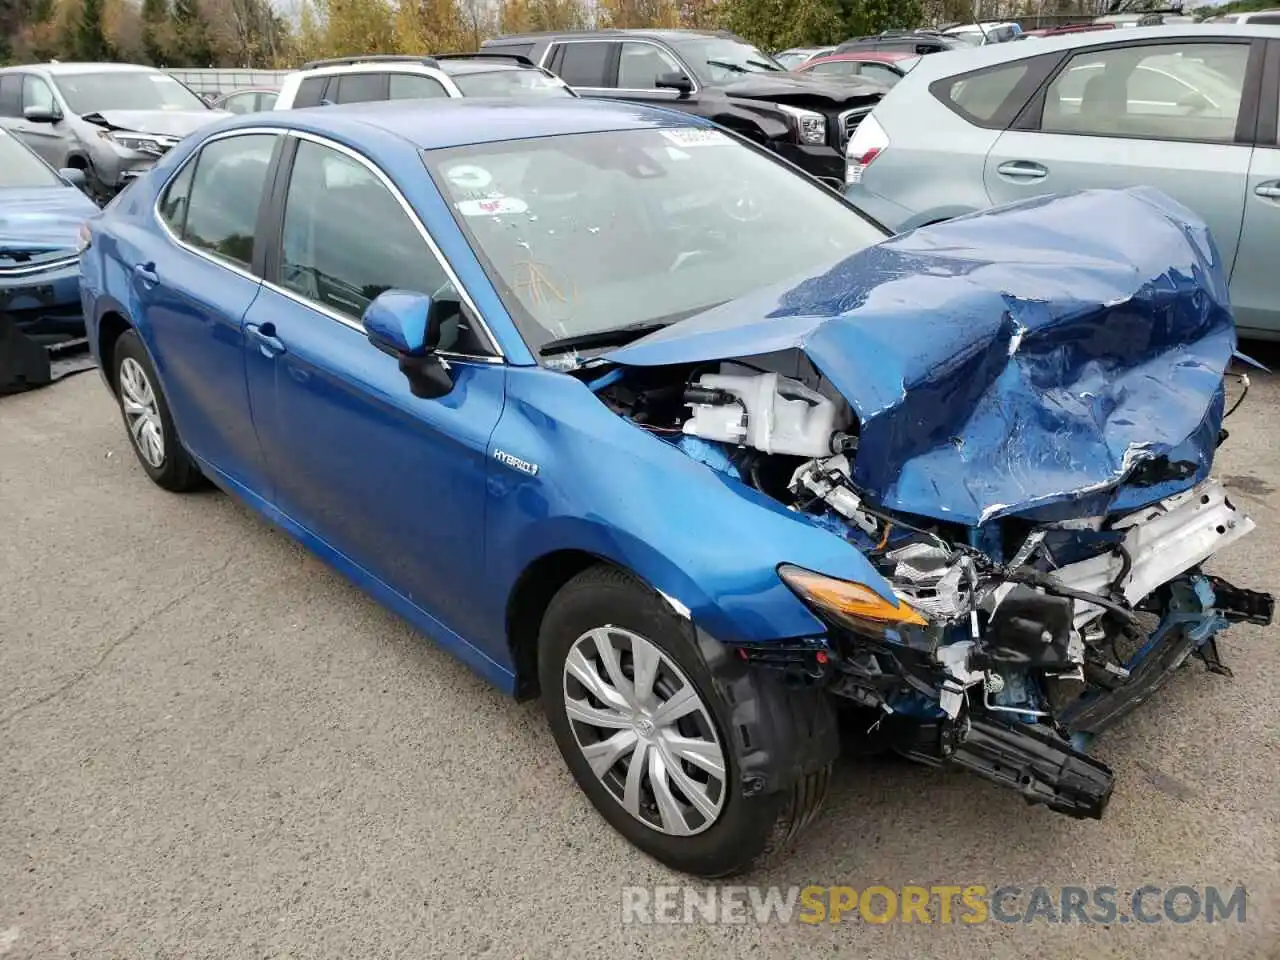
(141, 412)
(647, 734)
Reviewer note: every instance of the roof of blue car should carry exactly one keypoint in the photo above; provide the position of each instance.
(431, 124)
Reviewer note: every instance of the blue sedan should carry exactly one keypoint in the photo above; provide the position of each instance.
(564, 386)
(41, 213)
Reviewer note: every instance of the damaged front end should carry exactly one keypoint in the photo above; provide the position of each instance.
(1018, 437)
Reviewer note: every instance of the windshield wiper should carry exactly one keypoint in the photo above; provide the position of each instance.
(735, 67)
(617, 336)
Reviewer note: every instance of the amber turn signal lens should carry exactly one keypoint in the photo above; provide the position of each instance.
(853, 601)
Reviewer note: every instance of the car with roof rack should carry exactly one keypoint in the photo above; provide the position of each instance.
(377, 77)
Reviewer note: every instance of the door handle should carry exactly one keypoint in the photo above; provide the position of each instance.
(146, 272)
(264, 335)
(1270, 190)
(1022, 170)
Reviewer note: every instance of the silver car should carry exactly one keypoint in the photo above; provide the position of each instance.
(113, 121)
(1191, 110)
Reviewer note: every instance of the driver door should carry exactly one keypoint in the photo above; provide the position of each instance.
(392, 483)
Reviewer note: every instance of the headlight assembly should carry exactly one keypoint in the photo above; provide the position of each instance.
(853, 605)
(811, 126)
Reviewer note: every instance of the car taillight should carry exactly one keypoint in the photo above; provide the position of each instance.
(867, 143)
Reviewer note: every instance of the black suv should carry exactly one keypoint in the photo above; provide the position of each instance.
(715, 75)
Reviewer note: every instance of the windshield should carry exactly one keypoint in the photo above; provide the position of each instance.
(716, 58)
(591, 232)
(511, 83)
(125, 90)
(19, 167)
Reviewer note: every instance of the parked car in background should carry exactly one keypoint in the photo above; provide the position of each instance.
(882, 66)
(41, 213)
(1064, 29)
(214, 83)
(1259, 18)
(793, 58)
(111, 120)
(567, 389)
(378, 77)
(1190, 110)
(714, 75)
(978, 34)
(905, 41)
(250, 100)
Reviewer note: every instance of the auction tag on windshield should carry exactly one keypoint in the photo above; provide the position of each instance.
(692, 137)
(492, 206)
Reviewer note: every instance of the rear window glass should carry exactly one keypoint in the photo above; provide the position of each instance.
(310, 92)
(979, 96)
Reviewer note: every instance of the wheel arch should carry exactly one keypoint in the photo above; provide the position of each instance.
(112, 324)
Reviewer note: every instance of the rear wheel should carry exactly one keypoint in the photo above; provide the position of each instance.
(641, 725)
(147, 418)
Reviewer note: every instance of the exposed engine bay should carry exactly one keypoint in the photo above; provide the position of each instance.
(1015, 639)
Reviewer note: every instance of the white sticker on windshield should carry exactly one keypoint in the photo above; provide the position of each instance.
(675, 154)
(492, 206)
(692, 137)
(469, 177)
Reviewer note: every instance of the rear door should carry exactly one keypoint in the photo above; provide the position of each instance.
(1177, 115)
(1255, 287)
(194, 282)
(589, 66)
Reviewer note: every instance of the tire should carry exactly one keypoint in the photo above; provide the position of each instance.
(729, 829)
(147, 419)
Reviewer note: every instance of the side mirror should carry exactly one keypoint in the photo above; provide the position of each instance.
(406, 325)
(74, 176)
(674, 80)
(42, 114)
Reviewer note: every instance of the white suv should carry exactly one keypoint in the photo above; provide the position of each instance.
(389, 77)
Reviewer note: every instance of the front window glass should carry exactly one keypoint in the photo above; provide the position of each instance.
(1174, 91)
(19, 167)
(510, 83)
(346, 239)
(589, 232)
(641, 64)
(717, 58)
(125, 90)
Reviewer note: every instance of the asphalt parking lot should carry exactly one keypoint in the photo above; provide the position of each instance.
(213, 746)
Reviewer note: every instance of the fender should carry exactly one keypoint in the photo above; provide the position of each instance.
(709, 542)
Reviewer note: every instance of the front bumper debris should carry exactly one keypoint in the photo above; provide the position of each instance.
(1019, 756)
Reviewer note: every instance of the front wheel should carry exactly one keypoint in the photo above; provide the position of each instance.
(642, 726)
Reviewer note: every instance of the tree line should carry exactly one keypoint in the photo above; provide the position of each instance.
(256, 33)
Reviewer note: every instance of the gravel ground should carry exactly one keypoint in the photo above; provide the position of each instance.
(213, 746)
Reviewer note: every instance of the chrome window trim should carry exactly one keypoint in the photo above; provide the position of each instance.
(693, 77)
(418, 225)
(497, 357)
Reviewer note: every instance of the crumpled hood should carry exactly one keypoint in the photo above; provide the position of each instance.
(786, 87)
(166, 123)
(40, 218)
(1018, 361)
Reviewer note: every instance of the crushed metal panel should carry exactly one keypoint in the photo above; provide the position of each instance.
(1015, 361)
